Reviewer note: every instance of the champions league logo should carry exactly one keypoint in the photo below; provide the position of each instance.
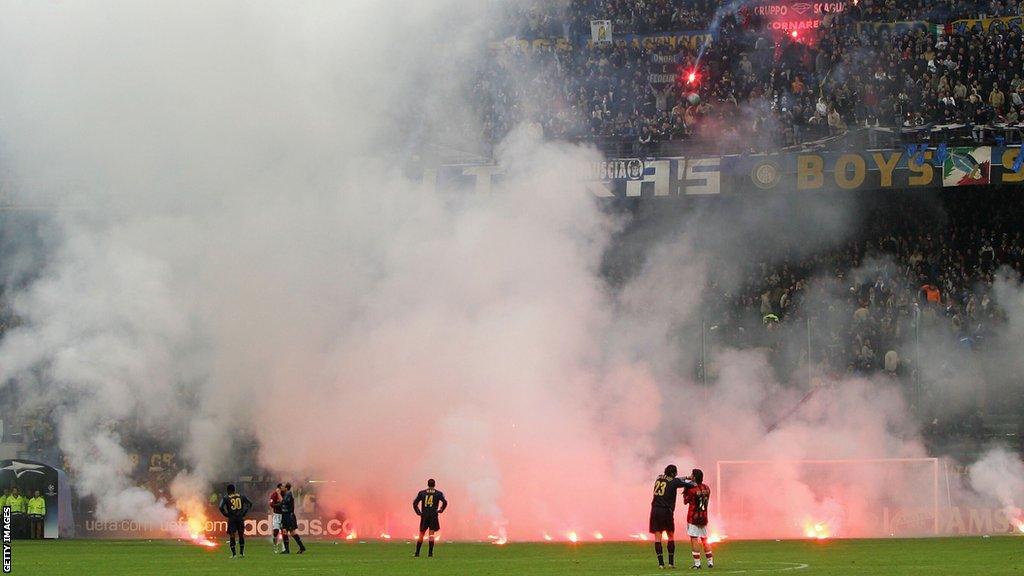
(20, 468)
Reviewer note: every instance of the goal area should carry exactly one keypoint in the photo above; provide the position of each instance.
(857, 498)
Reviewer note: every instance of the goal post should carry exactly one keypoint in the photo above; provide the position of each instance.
(826, 498)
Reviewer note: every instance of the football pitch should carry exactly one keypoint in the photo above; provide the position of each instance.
(960, 556)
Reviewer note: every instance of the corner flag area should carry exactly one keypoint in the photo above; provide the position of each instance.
(897, 557)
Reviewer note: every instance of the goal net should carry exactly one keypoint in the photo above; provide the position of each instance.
(826, 498)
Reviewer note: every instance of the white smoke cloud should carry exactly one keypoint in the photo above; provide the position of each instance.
(240, 253)
(999, 475)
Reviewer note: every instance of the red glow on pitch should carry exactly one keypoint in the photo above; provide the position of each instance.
(200, 539)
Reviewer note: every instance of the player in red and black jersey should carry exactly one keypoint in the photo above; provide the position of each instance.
(663, 507)
(697, 497)
(275, 514)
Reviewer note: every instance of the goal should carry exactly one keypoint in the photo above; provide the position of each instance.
(827, 498)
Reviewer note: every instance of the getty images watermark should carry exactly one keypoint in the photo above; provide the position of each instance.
(7, 539)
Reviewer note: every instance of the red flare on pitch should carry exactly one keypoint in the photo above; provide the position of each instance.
(194, 517)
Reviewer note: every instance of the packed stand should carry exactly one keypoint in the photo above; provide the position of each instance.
(751, 90)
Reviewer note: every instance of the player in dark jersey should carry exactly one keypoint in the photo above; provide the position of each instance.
(234, 507)
(697, 498)
(429, 504)
(289, 523)
(663, 508)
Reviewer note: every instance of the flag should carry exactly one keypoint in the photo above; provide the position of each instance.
(601, 31)
(967, 166)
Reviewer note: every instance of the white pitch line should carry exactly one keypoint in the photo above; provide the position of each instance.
(789, 566)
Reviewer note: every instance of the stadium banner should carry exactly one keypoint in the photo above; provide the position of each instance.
(914, 166)
(953, 521)
(529, 45)
(600, 32)
(317, 527)
(692, 39)
(790, 15)
(662, 69)
(989, 25)
(892, 28)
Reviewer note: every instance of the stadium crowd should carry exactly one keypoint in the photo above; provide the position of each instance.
(751, 89)
(907, 269)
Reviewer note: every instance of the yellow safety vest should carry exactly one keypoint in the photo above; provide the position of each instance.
(17, 504)
(37, 506)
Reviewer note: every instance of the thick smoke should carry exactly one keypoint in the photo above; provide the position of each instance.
(999, 474)
(241, 252)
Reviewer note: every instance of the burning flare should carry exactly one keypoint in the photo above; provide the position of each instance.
(817, 530)
(195, 521)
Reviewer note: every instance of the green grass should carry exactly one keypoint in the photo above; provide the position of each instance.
(960, 556)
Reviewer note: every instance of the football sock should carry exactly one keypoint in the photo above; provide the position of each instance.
(241, 543)
(232, 540)
(430, 547)
(672, 552)
(284, 538)
(302, 547)
(657, 550)
(696, 558)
